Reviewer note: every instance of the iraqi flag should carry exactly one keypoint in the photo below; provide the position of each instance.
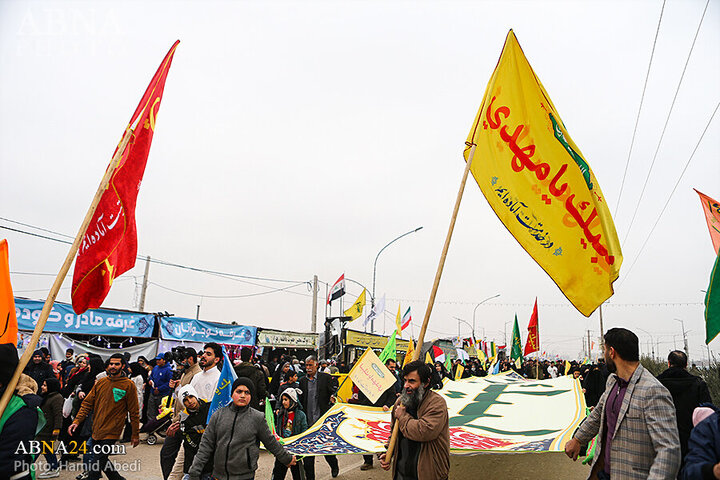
(337, 290)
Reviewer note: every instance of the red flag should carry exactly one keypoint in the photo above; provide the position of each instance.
(711, 208)
(532, 340)
(109, 247)
(8, 321)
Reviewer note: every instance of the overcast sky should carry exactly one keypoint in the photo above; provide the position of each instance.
(298, 138)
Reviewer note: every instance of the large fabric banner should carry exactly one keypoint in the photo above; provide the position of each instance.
(498, 413)
(59, 343)
(98, 321)
(188, 329)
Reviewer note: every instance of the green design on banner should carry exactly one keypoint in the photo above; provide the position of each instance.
(119, 394)
(584, 167)
(712, 304)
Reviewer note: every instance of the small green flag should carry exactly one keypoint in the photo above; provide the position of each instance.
(712, 304)
(448, 363)
(270, 418)
(516, 351)
(390, 350)
(118, 394)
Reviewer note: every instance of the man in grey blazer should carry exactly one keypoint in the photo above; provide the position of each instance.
(635, 418)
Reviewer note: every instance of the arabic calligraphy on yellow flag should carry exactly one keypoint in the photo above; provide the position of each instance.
(540, 185)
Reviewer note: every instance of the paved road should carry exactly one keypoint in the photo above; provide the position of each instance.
(518, 466)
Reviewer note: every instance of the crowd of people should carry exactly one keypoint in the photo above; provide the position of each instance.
(645, 426)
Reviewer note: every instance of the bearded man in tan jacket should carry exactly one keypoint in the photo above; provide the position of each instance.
(423, 444)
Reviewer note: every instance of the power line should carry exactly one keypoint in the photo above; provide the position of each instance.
(671, 194)
(141, 257)
(667, 120)
(225, 296)
(36, 228)
(637, 120)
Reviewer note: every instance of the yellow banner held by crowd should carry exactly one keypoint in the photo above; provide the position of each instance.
(356, 309)
(371, 376)
(540, 185)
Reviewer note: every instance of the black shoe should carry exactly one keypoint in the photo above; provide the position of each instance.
(334, 471)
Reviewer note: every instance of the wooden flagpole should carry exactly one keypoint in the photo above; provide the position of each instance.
(436, 284)
(47, 307)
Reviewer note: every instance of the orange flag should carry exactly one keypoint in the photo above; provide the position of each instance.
(109, 247)
(532, 343)
(712, 216)
(8, 320)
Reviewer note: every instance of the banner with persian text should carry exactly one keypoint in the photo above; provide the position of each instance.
(189, 329)
(540, 185)
(498, 413)
(97, 321)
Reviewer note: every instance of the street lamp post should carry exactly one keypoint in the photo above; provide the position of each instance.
(372, 299)
(684, 333)
(652, 342)
(466, 323)
(475, 310)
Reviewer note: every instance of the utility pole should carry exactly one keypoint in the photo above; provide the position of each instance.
(313, 320)
(143, 291)
(589, 347)
(197, 314)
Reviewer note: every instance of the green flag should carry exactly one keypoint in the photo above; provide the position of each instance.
(448, 363)
(270, 418)
(712, 304)
(516, 351)
(390, 350)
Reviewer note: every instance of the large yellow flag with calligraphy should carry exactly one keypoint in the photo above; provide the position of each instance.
(540, 185)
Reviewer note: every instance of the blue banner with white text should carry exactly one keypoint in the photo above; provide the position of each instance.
(188, 329)
(98, 321)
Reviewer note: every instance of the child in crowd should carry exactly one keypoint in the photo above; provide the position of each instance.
(291, 421)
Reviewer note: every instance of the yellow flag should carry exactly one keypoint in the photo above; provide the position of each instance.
(428, 358)
(410, 353)
(567, 367)
(356, 309)
(481, 357)
(397, 322)
(540, 185)
(459, 372)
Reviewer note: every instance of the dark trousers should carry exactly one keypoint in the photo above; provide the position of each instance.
(52, 461)
(168, 452)
(280, 470)
(368, 459)
(153, 406)
(100, 463)
(309, 465)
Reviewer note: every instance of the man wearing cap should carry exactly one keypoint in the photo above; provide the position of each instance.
(192, 427)
(232, 430)
(38, 368)
(159, 383)
(171, 455)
